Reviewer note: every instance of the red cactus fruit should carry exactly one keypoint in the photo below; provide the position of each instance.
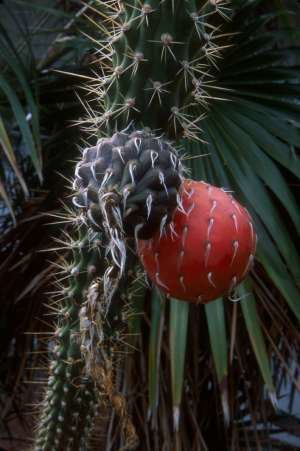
(206, 250)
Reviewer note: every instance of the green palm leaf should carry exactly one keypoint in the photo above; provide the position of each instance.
(7, 201)
(179, 312)
(20, 116)
(215, 317)
(155, 342)
(248, 306)
(10, 155)
(251, 143)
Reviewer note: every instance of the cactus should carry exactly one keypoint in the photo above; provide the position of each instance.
(103, 343)
(88, 345)
(70, 401)
(127, 186)
(208, 248)
(158, 60)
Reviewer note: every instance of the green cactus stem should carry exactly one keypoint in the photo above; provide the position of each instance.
(70, 402)
(104, 343)
(158, 60)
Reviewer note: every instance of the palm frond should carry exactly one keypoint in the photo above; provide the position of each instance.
(253, 136)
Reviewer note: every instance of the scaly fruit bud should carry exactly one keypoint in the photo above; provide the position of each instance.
(206, 250)
(129, 181)
(126, 186)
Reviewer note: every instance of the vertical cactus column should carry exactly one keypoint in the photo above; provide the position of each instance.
(104, 344)
(158, 60)
(70, 401)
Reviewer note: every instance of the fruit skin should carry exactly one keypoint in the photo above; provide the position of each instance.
(206, 250)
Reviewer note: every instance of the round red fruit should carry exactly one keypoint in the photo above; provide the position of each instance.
(206, 250)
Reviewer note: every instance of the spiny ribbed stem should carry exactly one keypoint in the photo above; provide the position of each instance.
(158, 60)
(104, 344)
(70, 402)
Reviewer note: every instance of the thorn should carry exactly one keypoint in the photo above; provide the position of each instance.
(234, 218)
(149, 201)
(181, 280)
(214, 205)
(158, 89)
(162, 225)
(235, 245)
(154, 157)
(209, 277)
(137, 228)
(162, 181)
(248, 265)
(132, 167)
(159, 282)
(207, 253)
(209, 228)
(172, 229)
(252, 231)
(232, 284)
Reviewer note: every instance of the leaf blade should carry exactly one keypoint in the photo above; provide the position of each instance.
(23, 124)
(248, 306)
(215, 318)
(179, 311)
(157, 323)
(9, 152)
